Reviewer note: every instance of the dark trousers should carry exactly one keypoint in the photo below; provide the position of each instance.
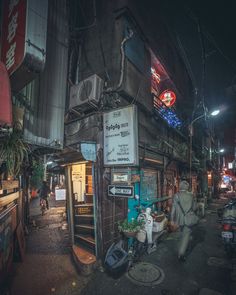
(184, 240)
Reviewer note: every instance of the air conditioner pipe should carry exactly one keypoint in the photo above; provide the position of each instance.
(129, 36)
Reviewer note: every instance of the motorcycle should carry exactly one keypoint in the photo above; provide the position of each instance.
(227, 216)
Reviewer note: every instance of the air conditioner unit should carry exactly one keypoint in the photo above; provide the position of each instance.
(86, 94)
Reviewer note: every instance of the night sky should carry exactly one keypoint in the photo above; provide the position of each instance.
(218, 32)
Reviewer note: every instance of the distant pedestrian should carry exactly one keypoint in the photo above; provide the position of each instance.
(44, 192)
(182, 215)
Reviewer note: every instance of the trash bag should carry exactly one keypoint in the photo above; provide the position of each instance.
(116, 260)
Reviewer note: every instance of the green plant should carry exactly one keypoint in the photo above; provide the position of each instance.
(37, 173)
(130, 226)
(13, 151)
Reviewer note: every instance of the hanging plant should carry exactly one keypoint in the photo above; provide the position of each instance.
(13, 151)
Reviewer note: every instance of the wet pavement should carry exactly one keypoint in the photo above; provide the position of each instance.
(207, 271)
(49, 269)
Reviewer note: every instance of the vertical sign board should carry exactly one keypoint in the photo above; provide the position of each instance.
(23, 51)
(13, 34)
(5, 97)
(121, 137)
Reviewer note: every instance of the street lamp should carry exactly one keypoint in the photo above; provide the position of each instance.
(213, 113)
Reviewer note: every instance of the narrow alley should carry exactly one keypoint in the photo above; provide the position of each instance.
(48, 268)
(207, 270)
(121, 114)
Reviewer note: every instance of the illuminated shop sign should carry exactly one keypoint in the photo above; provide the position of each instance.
(155, 76)
(156, 79)
(168, 97)
(163, 98)
(168, 114)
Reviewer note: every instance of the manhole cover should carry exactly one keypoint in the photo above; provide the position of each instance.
(146, 274)
(218, 262)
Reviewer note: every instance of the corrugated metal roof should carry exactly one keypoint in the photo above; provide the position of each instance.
(45, 125)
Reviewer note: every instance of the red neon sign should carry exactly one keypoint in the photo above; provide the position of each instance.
(168, 97)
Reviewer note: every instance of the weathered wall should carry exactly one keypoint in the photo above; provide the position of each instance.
(100, 53)
(45, 124)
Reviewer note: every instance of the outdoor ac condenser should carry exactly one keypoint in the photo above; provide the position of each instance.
(86, 94)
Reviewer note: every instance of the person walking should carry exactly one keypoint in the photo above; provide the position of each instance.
(43, 192)
(182, 215)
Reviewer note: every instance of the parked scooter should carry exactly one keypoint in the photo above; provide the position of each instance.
(227, 216)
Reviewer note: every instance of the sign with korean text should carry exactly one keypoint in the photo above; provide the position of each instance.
(13, 34)
(120, 137)
(121, 191)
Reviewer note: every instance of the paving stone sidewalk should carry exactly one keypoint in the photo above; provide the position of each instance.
(48, 267)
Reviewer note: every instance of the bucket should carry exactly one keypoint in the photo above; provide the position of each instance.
(141, 235)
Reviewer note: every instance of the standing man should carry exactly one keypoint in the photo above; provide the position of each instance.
(183, 206)
(43, 192)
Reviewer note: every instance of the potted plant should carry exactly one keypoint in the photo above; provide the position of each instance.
(130, 228)
(13, 151)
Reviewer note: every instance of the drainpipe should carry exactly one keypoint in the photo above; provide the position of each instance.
(129, 36)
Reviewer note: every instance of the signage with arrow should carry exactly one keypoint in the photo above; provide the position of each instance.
(121, 191)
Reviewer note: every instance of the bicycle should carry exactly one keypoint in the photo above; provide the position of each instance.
(43, 206)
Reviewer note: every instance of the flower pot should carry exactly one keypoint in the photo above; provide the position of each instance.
(130, 234)
(141, 235)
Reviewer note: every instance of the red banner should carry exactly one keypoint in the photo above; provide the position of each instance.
(13, 34)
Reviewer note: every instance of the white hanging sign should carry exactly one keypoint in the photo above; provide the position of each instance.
(121, 137)
(60, 194)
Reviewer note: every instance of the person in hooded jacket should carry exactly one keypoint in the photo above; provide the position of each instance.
(183, 202)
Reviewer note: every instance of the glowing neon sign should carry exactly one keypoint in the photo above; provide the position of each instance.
(155, 76)
(168, 97)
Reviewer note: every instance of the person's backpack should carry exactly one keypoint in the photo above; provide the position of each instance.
(190, 218)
